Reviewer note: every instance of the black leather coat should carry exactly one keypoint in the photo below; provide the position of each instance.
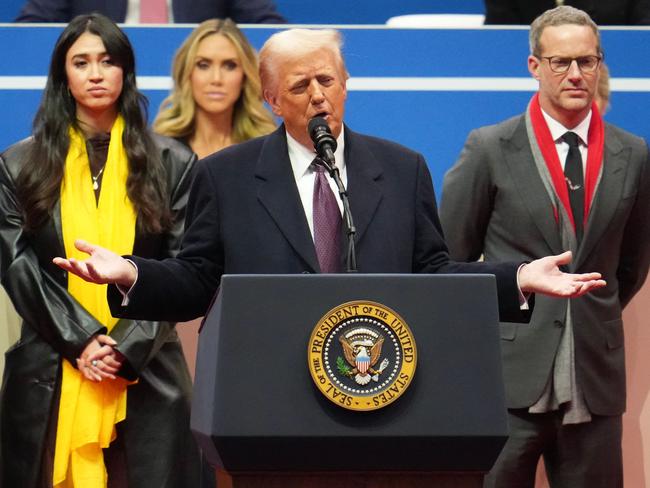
(159, 448)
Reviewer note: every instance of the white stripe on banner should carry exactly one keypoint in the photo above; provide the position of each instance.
(164, 83)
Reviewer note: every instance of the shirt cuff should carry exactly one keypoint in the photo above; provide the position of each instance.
(125, 293)
(523, 297)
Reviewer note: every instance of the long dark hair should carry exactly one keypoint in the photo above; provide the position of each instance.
(39, 182)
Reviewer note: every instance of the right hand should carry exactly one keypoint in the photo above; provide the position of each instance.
(103, 266)
(99, 360)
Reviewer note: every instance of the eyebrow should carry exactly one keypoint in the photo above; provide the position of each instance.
(86, 54)
(199, 57)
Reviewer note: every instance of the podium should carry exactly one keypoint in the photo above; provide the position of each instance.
(262, 422)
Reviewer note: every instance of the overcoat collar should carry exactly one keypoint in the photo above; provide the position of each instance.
(277, 191)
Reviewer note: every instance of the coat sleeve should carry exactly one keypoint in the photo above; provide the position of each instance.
(40, 299)
(635, 245)
(181, 289)
(432, 254)
(45, 11)
(467, 202)
(139, 341)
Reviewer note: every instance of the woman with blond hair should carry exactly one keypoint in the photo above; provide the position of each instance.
(216, 101)
(217, 98)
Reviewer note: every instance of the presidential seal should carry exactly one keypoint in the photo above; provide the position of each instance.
(362, 355)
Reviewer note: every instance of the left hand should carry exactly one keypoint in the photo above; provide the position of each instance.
(99, 360)
(544, 276)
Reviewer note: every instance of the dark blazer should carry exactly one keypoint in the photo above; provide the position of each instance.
(245, 216)
(185, 11)
(160, 450)
(494, 203)
(610, 12)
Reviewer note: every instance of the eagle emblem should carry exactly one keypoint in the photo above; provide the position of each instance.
(362, 350)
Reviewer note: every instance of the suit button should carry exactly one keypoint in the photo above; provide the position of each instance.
(558, 323)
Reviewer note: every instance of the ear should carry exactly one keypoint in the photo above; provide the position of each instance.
(272, 100)
(534, 66)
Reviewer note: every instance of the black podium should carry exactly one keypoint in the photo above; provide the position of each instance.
(261, 421)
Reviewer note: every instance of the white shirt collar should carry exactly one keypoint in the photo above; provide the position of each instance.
(301, 157)
(558, 130)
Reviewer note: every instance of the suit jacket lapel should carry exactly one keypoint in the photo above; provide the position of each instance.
(277, 192)
(529, 184)
(363, 173)
(607, 195)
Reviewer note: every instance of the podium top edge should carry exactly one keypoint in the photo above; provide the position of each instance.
(358, 276)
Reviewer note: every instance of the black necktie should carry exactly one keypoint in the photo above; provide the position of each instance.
(575, 181)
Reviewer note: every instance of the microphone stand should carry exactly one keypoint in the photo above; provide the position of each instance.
(351, 257)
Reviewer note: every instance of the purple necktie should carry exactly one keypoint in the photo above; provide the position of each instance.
(327, 223)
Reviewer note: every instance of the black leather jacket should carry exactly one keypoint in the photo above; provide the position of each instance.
(160, 450)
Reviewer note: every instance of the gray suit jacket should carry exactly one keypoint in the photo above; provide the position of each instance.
(494, 203)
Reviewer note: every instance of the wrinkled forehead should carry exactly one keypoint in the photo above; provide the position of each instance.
(569, 37)
(309, 64)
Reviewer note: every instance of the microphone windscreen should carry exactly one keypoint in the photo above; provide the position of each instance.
(318, 124)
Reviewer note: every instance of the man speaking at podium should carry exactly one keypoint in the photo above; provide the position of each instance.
(263, 207)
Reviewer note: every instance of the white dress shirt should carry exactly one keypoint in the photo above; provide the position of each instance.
(558, 130)
(301, 158)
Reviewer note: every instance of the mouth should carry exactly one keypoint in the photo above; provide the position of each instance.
(98, 92)
(575, 90)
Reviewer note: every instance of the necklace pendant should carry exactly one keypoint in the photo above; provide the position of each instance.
(95, 185)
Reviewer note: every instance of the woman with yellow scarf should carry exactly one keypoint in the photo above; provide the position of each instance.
(92, 169)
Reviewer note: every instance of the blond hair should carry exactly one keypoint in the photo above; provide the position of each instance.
(176, 116)
(603, 90)
(296, 43)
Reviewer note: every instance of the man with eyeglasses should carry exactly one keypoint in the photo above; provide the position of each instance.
(554, 178)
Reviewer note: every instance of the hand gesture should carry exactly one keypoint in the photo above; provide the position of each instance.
(544, 276)
(99, 360)
(103, 266)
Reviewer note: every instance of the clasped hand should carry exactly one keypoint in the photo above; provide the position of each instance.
(99, 359)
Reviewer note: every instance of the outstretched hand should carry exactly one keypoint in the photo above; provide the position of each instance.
(103, 266)
(544, 276)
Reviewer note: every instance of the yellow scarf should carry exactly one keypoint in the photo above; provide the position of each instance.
(88, 411)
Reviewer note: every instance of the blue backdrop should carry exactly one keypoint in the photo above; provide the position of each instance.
(423, 88)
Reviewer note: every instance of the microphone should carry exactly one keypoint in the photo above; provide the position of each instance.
(325, 145)
(321, 136)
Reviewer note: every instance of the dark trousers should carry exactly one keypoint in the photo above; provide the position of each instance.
(585, 455)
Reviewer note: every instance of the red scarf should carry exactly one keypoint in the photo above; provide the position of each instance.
(596, 144)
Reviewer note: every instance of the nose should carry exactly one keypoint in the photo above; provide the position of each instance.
(216, 76)
(96, 72)
(574, 72)
(315, 93)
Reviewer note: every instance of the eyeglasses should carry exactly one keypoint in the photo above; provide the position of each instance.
(586, 64)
